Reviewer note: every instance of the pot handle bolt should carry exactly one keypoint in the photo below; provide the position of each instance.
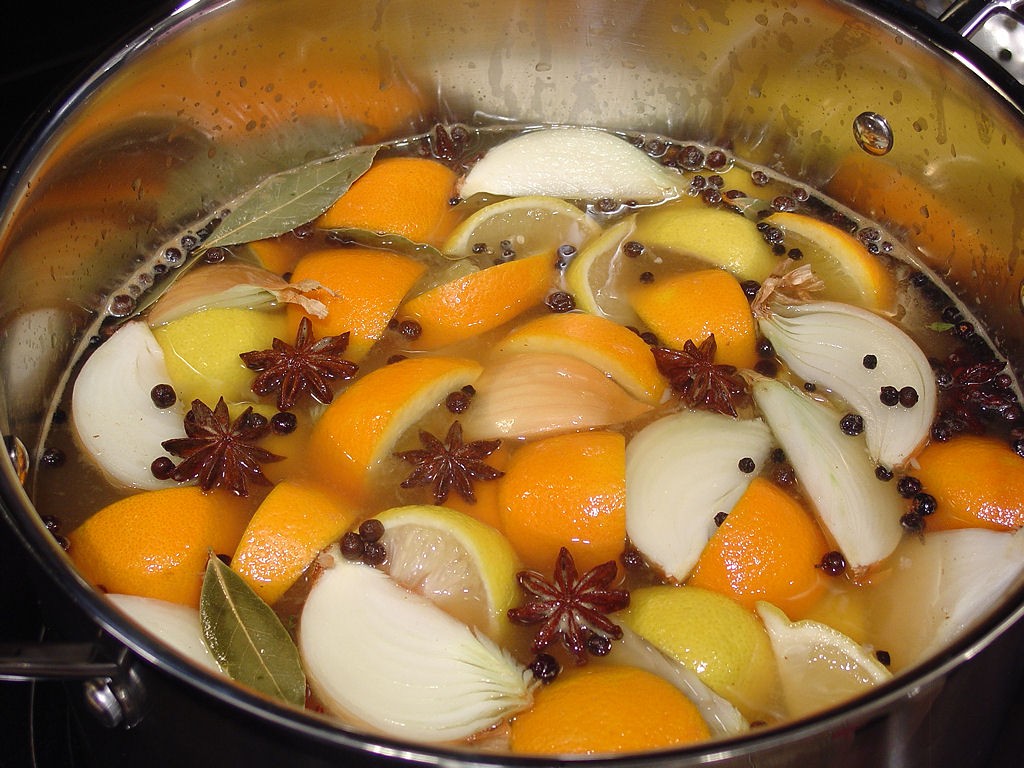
(116, 701)
(873, 133)
(18, 455)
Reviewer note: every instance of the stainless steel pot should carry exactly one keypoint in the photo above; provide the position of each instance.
(221, 93)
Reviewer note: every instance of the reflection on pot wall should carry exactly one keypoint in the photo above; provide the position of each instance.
(209, 107)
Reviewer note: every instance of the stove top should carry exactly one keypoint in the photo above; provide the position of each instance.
(37, 61)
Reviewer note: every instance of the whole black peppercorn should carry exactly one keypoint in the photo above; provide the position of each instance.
(633, 248)
(646, 277)
(371, 530)
(560, 301)
(162, 468)
(852, 424)
(924, 504)
(908, 397)
(746, 465)
(908, 486)
(374, 553)
(883, 473)
(889, 395)
(457, 402)
(716, 160)
(750, 288)
(284, 423)
(352, 546)
(833, 563)
(870, 362)
(810, 386)
(631, 558)
(53, 457)
(410, 329)
(720, 518)
(598, 645)
(883, 657)
(795, 254)
(912, 522)
(545, 667)
(765, 348)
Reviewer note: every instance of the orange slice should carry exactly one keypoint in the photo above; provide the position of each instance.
(481, 301)
(603, 343)
(606, 709)
(768, 548)
(156, 543)
(290, 527)
(851, 274)
(408, 196)
(977, 482)
(566, 491)
(358, 431)
(693, 305)
(363, 289)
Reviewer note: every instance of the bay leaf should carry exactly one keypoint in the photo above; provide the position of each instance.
(287, 199)
(247, 638)
(388, 241)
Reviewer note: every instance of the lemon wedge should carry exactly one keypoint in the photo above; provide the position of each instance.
(593, 276)
(851, 274)
(818, 666)
(530, 225)
(572, 163)
(464, 566)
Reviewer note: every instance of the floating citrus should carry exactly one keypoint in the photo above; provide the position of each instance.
(694, 305)
(359, 429)
(481, 301)
(363, 289)
(606, 345)
(289, 528)
(566, 491)
(593, 274)
(407, 196)
(605, 710)
(156, 543)
(768, 548)
(976, 482)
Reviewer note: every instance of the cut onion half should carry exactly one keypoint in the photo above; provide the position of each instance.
(861, 512)
(397, 662)
(826, 343)
(113, 414)
(175, 624)
(681, 470)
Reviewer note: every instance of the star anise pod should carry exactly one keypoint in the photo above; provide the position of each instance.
(450, 464)
(694, 376)
(307, 366)
(570, 608)
(219, 452)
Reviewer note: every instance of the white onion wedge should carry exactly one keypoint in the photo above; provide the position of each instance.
(826, 343)
(537, 393)
(680, 471)
(940, 585)
(572, 163)
(722, 717)
(861, 512)
(175, 624)
(398, 663)
(113, 414)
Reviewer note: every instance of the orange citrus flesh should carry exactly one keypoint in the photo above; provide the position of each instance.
(278, 254)
(606, 709)
(289, 528)
(408, 196)
(486, 508)
(360, 428)
(978, 482)
(766, 549)
(606, 345)
(364, 286)
(693, 305)
(566, 491)
(468, 306)
(156, 543)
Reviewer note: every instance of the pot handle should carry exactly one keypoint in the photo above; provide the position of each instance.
(968, 16)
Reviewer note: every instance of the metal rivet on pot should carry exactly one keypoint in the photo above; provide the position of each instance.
(18, 456)
(873, 133)
(116, 702)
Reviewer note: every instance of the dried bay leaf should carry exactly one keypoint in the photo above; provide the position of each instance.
(290, 198)
(388, 241)
(246, 637)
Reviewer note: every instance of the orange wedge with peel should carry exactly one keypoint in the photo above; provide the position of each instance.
(358, 431)
(481, 301)
(603, 343)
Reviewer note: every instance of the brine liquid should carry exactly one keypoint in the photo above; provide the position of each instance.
(73, 490)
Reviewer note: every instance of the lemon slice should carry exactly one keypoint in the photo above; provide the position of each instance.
(710, 236)
(530, 225)
(851, 274)
(573, 163)
(464, 566)
(818, 666)
(593, 276)
(711, 634)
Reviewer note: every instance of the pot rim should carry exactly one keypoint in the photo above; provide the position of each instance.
(16, 507)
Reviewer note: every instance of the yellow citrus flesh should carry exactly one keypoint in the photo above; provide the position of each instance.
(606, 709)
(592, 277)
(604, 344)
(461, 564)
(156, 543)
(360, 428)
(479, 302)
(851, 274)
(289, 528)
(693, 305)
